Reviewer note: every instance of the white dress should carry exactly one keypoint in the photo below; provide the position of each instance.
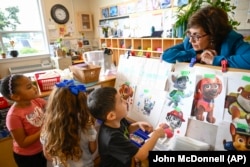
(86, 159)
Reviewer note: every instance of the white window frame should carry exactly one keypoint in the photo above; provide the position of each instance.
(44, 34)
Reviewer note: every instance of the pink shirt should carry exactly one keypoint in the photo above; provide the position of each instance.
(30, 119)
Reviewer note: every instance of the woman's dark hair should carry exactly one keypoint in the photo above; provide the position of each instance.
(214, 21)
(9, 85)
(101, 101)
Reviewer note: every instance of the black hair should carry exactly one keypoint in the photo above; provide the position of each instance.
(101, 101)
(9, 85)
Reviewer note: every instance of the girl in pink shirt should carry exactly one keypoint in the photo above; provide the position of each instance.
(24, 120)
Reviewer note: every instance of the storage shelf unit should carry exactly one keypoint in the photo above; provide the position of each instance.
(101, 21)
(139, 46)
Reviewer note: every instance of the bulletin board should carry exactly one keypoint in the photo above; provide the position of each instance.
(141, 25)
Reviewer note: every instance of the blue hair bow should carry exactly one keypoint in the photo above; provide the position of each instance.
(75, 89)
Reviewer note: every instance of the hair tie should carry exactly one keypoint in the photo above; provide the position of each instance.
(74, 89)
(10, 83)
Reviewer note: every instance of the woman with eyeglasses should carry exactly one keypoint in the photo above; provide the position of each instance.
(209, 40)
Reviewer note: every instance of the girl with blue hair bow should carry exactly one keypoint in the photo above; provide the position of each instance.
(68, 134)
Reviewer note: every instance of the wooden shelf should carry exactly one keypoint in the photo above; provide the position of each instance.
(140, 46)
(113, 18)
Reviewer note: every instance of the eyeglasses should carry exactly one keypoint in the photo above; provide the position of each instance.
(195, 37)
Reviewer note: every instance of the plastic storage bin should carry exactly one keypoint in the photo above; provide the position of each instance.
(46, 84)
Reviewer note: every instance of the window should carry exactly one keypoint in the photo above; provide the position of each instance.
(29, 36)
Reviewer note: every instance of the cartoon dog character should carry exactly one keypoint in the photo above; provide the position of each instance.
(240, 140)
(207, 89)
(148, 105)
(127, 92)
(240, 132)
(180, 83)
(241, 103)
(174, 119)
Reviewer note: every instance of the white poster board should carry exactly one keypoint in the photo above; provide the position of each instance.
(153, 96)
(146, 78)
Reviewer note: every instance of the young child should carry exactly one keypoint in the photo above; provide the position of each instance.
(24, 120)
(68, 134)
(115, 147)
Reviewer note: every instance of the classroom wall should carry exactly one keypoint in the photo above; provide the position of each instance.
(73, 6)
(94, 7)
(241, 12)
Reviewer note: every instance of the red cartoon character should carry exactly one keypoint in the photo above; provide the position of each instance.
(127, 92)
(174, 119)
(207, 89)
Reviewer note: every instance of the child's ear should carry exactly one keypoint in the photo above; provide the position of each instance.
(15, 97)
(111, 116)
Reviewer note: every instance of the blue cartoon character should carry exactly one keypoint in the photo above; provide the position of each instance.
(176, 95)
(240, 138)
(148, 105)
(174, 119)
(240, 132)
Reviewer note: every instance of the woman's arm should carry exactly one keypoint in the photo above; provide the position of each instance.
(181, 52)
(235, 51)
(237, 56)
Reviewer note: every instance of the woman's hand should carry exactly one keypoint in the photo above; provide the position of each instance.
(207, 56)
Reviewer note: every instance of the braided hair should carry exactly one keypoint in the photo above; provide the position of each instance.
(9, 85)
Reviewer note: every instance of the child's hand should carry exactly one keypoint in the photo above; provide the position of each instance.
(160, 132)
(145, 126)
